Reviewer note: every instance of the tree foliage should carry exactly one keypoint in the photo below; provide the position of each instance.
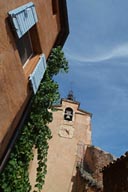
(35, 132)
(57, 62)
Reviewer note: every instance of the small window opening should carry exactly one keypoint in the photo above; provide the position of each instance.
(68, 114)
(54, 7)
(28, 45)
(24, 47)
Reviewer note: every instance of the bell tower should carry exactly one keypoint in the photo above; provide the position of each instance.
(71, 125)
(70, 96)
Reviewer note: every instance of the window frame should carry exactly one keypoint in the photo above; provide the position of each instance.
(20, 51)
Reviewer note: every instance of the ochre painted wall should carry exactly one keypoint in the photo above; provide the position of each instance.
(62, 155)
(14, 88)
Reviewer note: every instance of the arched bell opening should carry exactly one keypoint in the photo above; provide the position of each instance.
(68, 115)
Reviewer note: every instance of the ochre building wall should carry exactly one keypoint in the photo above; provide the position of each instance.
(14, 88)
(62, 155)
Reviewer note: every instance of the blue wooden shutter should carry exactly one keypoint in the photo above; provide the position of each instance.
(37, 75)
(23, 18)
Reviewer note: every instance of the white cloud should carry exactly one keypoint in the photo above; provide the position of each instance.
(116, 52)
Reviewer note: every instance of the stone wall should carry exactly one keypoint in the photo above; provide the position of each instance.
(89, 172)
(94, 161)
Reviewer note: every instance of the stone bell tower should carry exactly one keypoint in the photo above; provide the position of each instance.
(70, 126)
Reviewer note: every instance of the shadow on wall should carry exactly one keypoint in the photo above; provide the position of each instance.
(10, 33)
(78, 182)
(83, 182)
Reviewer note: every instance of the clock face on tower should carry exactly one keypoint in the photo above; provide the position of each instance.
(66, 131)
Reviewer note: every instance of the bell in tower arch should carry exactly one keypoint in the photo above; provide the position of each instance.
(68, 114)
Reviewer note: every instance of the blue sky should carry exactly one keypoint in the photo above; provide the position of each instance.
(97, 51)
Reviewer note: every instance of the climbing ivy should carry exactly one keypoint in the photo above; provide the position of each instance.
(35, 132)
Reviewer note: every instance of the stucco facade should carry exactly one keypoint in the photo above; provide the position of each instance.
(69, 127)
(50, 29)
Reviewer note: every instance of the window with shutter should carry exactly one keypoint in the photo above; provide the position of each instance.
(23, 20)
